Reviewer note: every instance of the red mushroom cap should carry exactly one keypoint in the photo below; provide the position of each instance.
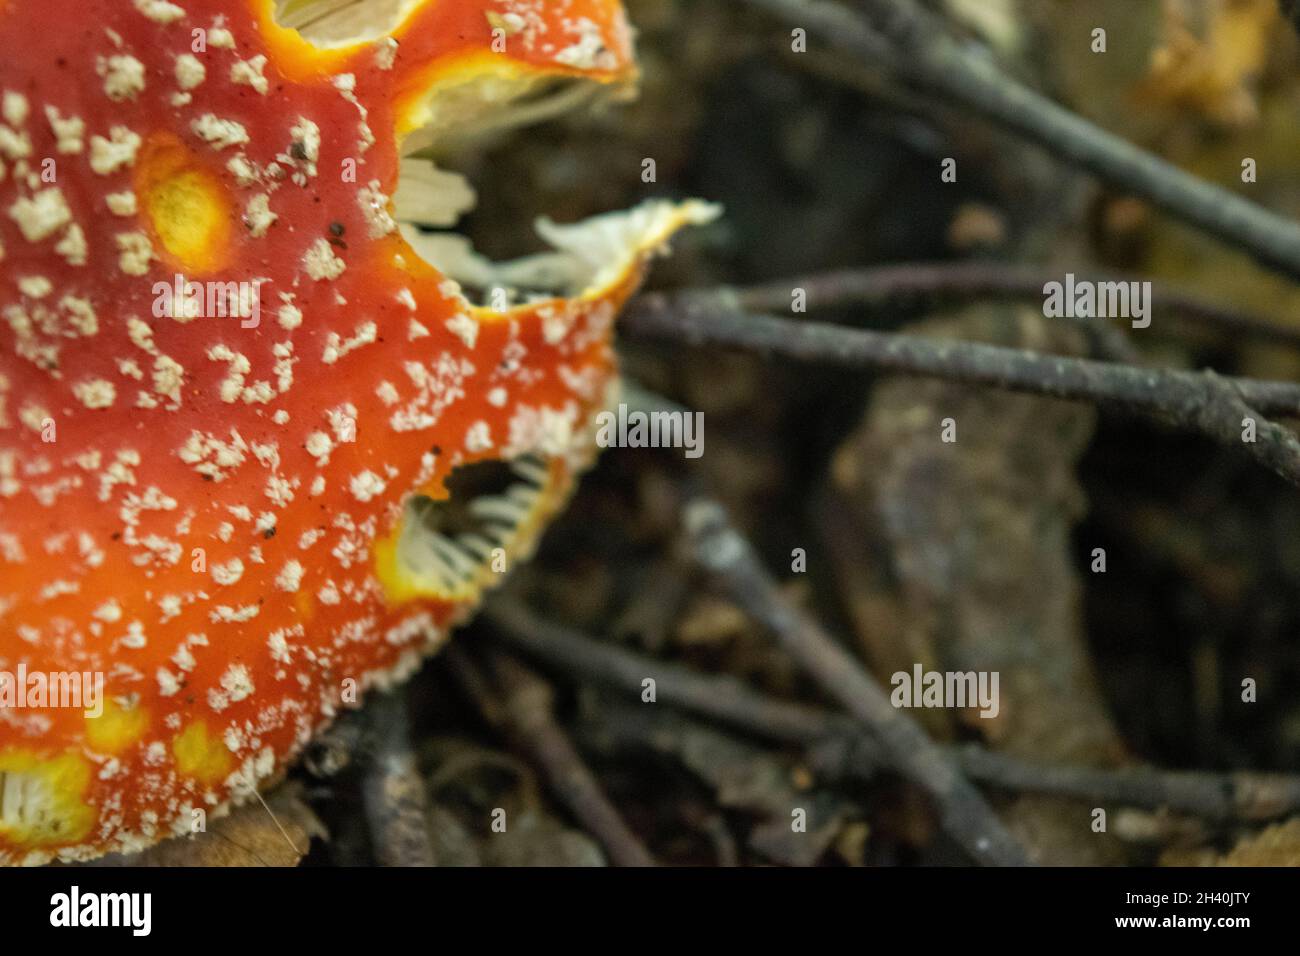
(234, 400)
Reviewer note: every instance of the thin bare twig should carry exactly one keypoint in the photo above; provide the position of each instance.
(396, 804)
(517, 702)
(914, 43)
(721, 697)
(939, 282)
(1218, 797)
(1216, 406)
(1210, 796)
(963, 812)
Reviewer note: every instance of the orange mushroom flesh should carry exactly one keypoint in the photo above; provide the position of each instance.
(255, 451)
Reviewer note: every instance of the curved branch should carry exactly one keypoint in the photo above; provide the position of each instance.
(938, 282)
(915, 45)
(1204, 402)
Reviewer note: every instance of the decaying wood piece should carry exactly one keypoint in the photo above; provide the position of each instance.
(977, 530)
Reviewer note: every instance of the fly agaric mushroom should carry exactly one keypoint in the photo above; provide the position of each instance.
(255, 449)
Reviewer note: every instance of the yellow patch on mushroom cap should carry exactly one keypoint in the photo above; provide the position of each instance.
(41, 798)
(187, 205)
(116, 728)
(200, 755)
